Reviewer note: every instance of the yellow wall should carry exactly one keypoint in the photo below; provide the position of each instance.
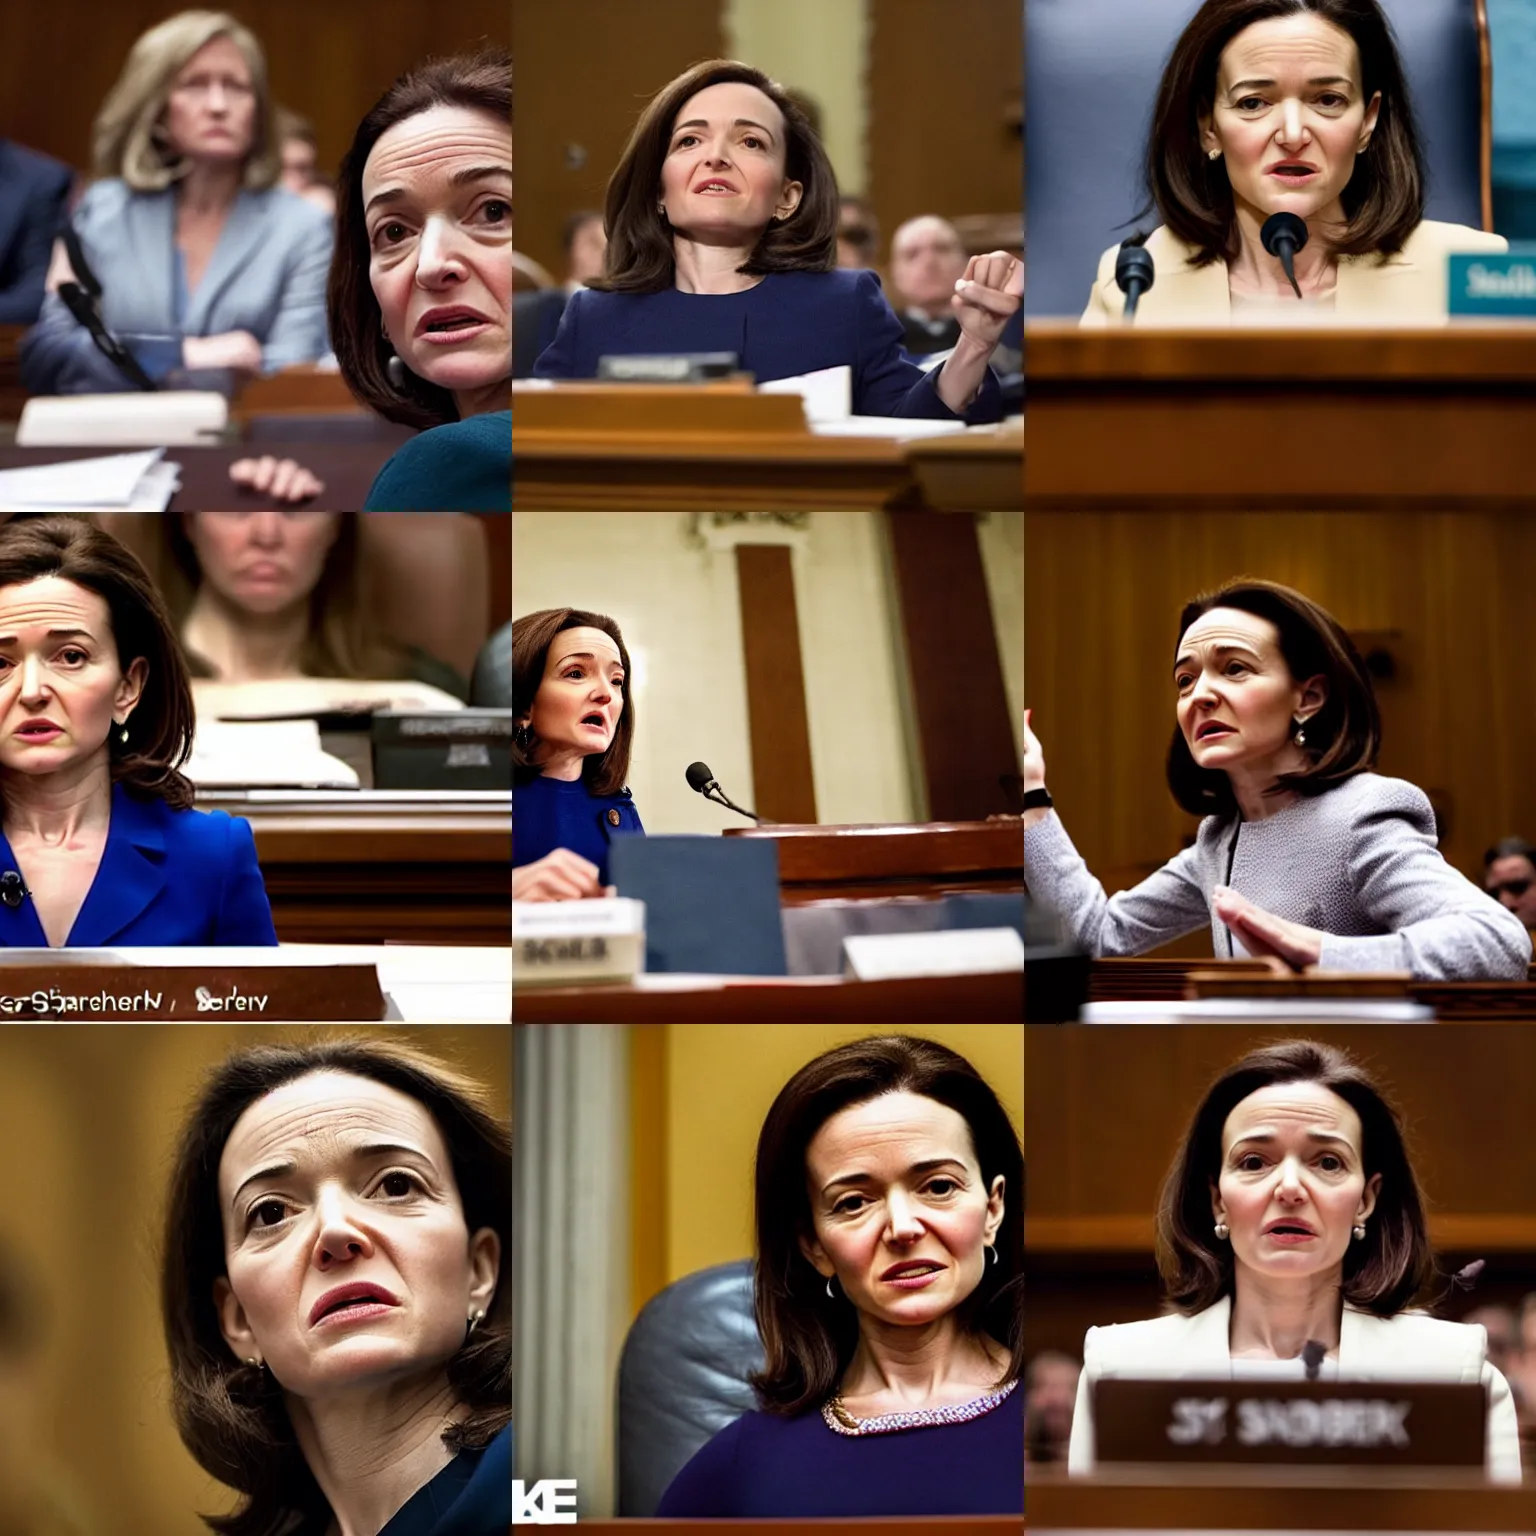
(692, 1192)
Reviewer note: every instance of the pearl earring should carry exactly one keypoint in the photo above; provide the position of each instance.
(1213, 154)
(1359, 1231)
(1301, 735)
(122, 733)
(1223, 1231)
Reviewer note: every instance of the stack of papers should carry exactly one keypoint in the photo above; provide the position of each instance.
(285, 698)
(271, 753)
(119, 482)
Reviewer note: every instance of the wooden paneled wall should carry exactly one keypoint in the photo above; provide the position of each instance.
(330, 61)
(1447, 596)
(1106, 1106)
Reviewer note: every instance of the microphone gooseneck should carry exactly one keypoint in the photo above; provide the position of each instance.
(1282, 236)
(703, 782)
(1135, 273)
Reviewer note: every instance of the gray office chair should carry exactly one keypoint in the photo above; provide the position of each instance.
(683, 1378)
(1092, 69)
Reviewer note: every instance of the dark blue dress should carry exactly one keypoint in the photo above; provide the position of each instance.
(765, 1467)
(471, 1496)
(558, 813)
(463, 466)
(790, 323)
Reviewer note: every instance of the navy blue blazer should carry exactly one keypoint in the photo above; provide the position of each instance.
(266, 276)
(471, 1496)
(790, 323)
(34, 190)
(166, 877)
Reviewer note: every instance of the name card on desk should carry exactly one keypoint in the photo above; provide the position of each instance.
(1494, 285)
(96, 989)
(1285, 1423)
(560, 942)
(953, 952)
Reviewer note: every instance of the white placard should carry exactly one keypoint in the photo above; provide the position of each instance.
(151, 419)
(575, 919)
(954, 952)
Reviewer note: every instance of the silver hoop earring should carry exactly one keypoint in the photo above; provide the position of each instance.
(991, 1253)
(523, 736)
(1223, 1231)
(831, 1294)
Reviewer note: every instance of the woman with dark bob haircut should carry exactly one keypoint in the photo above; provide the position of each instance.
(97, 830)
(890, 1299)
(572, 725)
(1305, 852)
(1291, 1214)
(722, 237)
(420, 293)
(330, 1286)
(1295, 107)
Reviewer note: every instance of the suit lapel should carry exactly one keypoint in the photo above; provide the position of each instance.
(131, 875)
(1207, 1346)
(238, 243)
(19, 926)
(1367, 287)
(150, 232)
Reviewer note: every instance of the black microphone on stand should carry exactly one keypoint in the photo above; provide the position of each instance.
(1134, 272)
(706, 784)
(1282, 236)
(13, 889)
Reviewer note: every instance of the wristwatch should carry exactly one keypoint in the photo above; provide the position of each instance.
(1038, 800)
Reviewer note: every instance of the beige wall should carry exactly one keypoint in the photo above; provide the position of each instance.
(720, 1081)
(819, 48)
(88, 1118)
(1001, 535)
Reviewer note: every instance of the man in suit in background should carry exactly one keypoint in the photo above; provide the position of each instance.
(927, 260)
(34, 190)
(1509, 876)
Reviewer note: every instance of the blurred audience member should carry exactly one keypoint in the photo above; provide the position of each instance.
(300, 157)
(1509, 876)
(1050, 1391)
(208, 267)
(1503, 1330)
(261, 596)
(584, 242)
(927, 260)
(858, 233)
(34, 191)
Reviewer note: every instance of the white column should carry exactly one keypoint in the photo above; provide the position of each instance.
(571, 1253)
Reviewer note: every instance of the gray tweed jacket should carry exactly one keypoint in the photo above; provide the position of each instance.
(1359, 862)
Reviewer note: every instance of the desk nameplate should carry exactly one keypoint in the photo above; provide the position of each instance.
(1289, 1423)
(94, 992)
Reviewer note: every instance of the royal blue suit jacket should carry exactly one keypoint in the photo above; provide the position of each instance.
(790, 323)
(33, 192)
(166, 877)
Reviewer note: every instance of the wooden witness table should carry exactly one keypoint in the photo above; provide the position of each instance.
(340, 870)
(929, 859)
(1280, 420)
(598, 447)
(1298, 1501)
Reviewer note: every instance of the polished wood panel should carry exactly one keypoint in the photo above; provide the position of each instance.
(329, 62)
(965, 741)
(931, 859)
(1282, 419)
(585, 70)
(1439, 599)
(777, 724)
(995, 999)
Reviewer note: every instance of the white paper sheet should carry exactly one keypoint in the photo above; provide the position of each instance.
(827, 392)
(268, 752)
(117, 482)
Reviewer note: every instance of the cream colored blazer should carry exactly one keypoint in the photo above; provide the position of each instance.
(1409, 1347)
(1409, 289)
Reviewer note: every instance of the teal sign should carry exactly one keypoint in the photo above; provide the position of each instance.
(1502, 286)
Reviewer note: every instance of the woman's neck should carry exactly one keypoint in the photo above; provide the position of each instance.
(370, 1451)
(561, 764)
(246, 647)
(480, 402)
(699, 267)
(932, 1365)
(1253, 785)
(207, 190)
(1272, 1320)
(56, 809)
(1254, 271)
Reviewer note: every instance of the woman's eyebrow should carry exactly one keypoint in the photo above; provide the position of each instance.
(587, 656)
(459, 178)
(358, 1154)
(928, 1165)
(741, 122)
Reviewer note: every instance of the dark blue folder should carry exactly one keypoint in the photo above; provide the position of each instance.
(711, 903)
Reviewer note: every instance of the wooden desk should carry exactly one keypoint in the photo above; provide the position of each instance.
(719, 447)
(1295, 1503)
(358, 871)
(749, 1000)
(930, 859)
(1280, 420)
(12, 396)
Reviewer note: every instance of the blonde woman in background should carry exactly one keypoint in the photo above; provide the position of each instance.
(211, 272)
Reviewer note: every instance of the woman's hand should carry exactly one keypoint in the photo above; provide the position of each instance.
(1262, 933)
(279, 479)
(558, 876)
(1034, 758)
(238, 351)
(988, 295)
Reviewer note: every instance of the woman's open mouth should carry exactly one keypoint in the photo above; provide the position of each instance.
(40, 732)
